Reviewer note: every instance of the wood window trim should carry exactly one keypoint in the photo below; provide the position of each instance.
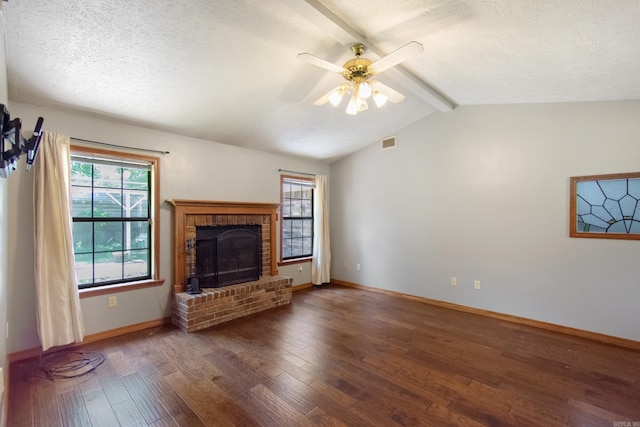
(155, 268)
(120, 287)
(573, 217)
(283, 262)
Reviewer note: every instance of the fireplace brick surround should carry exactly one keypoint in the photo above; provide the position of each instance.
(216, 305)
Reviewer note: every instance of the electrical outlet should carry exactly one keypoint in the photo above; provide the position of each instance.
(454, 280)
(113, 301)
(1, 382)
(299, 269)
(476, 284)
(358, 267)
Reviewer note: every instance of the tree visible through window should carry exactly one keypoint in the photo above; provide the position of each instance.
(112, 222)
(297, 217)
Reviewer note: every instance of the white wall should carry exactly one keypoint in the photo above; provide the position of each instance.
(195, 169)
(3, 234)
(482, 193)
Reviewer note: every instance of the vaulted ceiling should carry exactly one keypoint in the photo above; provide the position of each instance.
(226, 70)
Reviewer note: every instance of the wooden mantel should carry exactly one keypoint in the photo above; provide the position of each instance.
(183, 209)
(235, 207)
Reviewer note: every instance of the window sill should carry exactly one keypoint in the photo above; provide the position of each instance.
(122, 287)
(294, 261)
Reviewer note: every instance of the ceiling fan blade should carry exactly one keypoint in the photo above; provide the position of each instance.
(397, 56)
(314, 60)
(393, 95)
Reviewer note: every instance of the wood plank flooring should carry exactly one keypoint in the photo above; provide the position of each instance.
(341, 357)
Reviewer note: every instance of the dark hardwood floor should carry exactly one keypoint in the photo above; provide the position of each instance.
(340, 356)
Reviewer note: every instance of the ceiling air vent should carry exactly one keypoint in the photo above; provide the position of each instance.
(388, 143)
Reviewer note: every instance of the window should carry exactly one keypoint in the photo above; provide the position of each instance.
(605, 206)
(297, 217)
(113, 206)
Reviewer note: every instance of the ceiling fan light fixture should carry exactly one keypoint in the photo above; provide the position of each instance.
(336, 97)
(364, 90)
(353, 106)
(379, 98)
(363, 105)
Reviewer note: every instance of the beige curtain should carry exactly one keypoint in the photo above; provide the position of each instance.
(321, 263)
(58, 302)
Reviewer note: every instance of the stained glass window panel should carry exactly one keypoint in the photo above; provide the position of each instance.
(606, 205)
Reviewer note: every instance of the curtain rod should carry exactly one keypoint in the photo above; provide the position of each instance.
(299, 173)
(119, 146)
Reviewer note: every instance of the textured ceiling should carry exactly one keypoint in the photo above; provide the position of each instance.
(226, 71)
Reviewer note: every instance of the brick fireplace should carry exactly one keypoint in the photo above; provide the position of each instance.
(217, 305)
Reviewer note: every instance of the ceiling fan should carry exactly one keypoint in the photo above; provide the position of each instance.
(358, 73)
